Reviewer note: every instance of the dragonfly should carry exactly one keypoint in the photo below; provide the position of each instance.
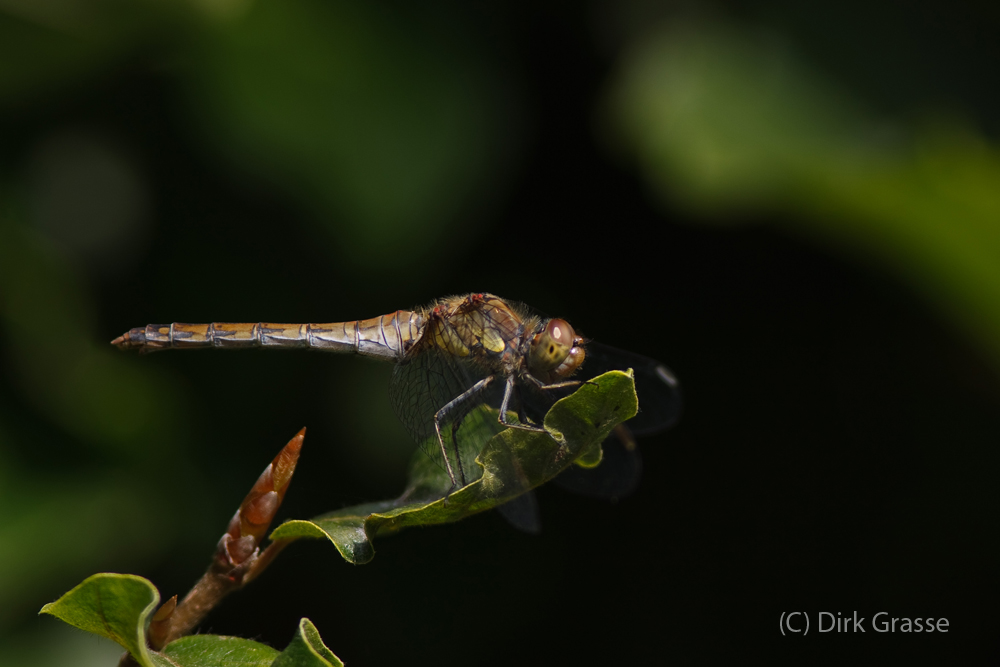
(451, 358)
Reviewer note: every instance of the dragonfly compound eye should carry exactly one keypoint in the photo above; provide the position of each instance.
(551, 347)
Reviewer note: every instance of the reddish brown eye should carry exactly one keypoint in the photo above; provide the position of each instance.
(560, 331)
(550, 347)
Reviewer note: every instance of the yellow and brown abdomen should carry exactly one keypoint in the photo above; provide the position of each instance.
(386, 337)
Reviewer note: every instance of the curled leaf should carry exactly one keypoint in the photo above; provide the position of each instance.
(511, 463)
(307, 650)
(114, 606)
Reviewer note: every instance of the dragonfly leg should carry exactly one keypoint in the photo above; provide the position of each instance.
(557, 385)
(523, 416)
(508, 392)
(455, 425)
(625, 437)
(441, 414)
(568, 383)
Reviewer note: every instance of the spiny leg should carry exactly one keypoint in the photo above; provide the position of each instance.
(525, 423)
(559, 385)
(441, 414)
(507, 393)
(455, 425)
(567, 383)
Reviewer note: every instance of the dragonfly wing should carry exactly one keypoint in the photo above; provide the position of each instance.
(522, 513)
(420, 386)
(656, 386)
(617, 475)
(426, 381)
(659, 407)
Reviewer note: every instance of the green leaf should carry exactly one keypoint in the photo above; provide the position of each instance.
(219, 651)
(307, 650)
(118, 606)
(115, 606)
(511, 463)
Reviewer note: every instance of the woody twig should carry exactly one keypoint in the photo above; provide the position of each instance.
(238, 559)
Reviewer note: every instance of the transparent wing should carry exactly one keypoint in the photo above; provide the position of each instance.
(617, 475)
(659, 408)
(522, 513)
(426, 381)
(655, 384)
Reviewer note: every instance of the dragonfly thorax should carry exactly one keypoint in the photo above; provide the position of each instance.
(485, 329)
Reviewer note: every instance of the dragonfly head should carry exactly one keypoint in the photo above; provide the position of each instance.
(556, 351)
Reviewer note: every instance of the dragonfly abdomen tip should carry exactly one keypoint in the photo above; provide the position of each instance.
(130, 339)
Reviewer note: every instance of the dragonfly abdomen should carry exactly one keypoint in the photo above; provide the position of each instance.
(385, 337)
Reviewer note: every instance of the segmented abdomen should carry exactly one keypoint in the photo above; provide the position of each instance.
(386, 337)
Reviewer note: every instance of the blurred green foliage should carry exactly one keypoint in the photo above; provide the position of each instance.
(97, 400)
(389, 125)
(384, 123)
(74, 378)
(730, 122)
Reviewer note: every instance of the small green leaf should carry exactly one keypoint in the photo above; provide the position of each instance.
(219, 651)
(511, 463)
(115, 606)
(307, 650)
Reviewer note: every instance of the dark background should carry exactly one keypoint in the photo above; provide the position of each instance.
(837, 449)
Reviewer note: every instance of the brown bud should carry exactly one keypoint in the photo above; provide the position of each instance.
(284, 463)
(239, 550)
(249, 525)
(261, 510)
(160, 623)
(262, 503)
